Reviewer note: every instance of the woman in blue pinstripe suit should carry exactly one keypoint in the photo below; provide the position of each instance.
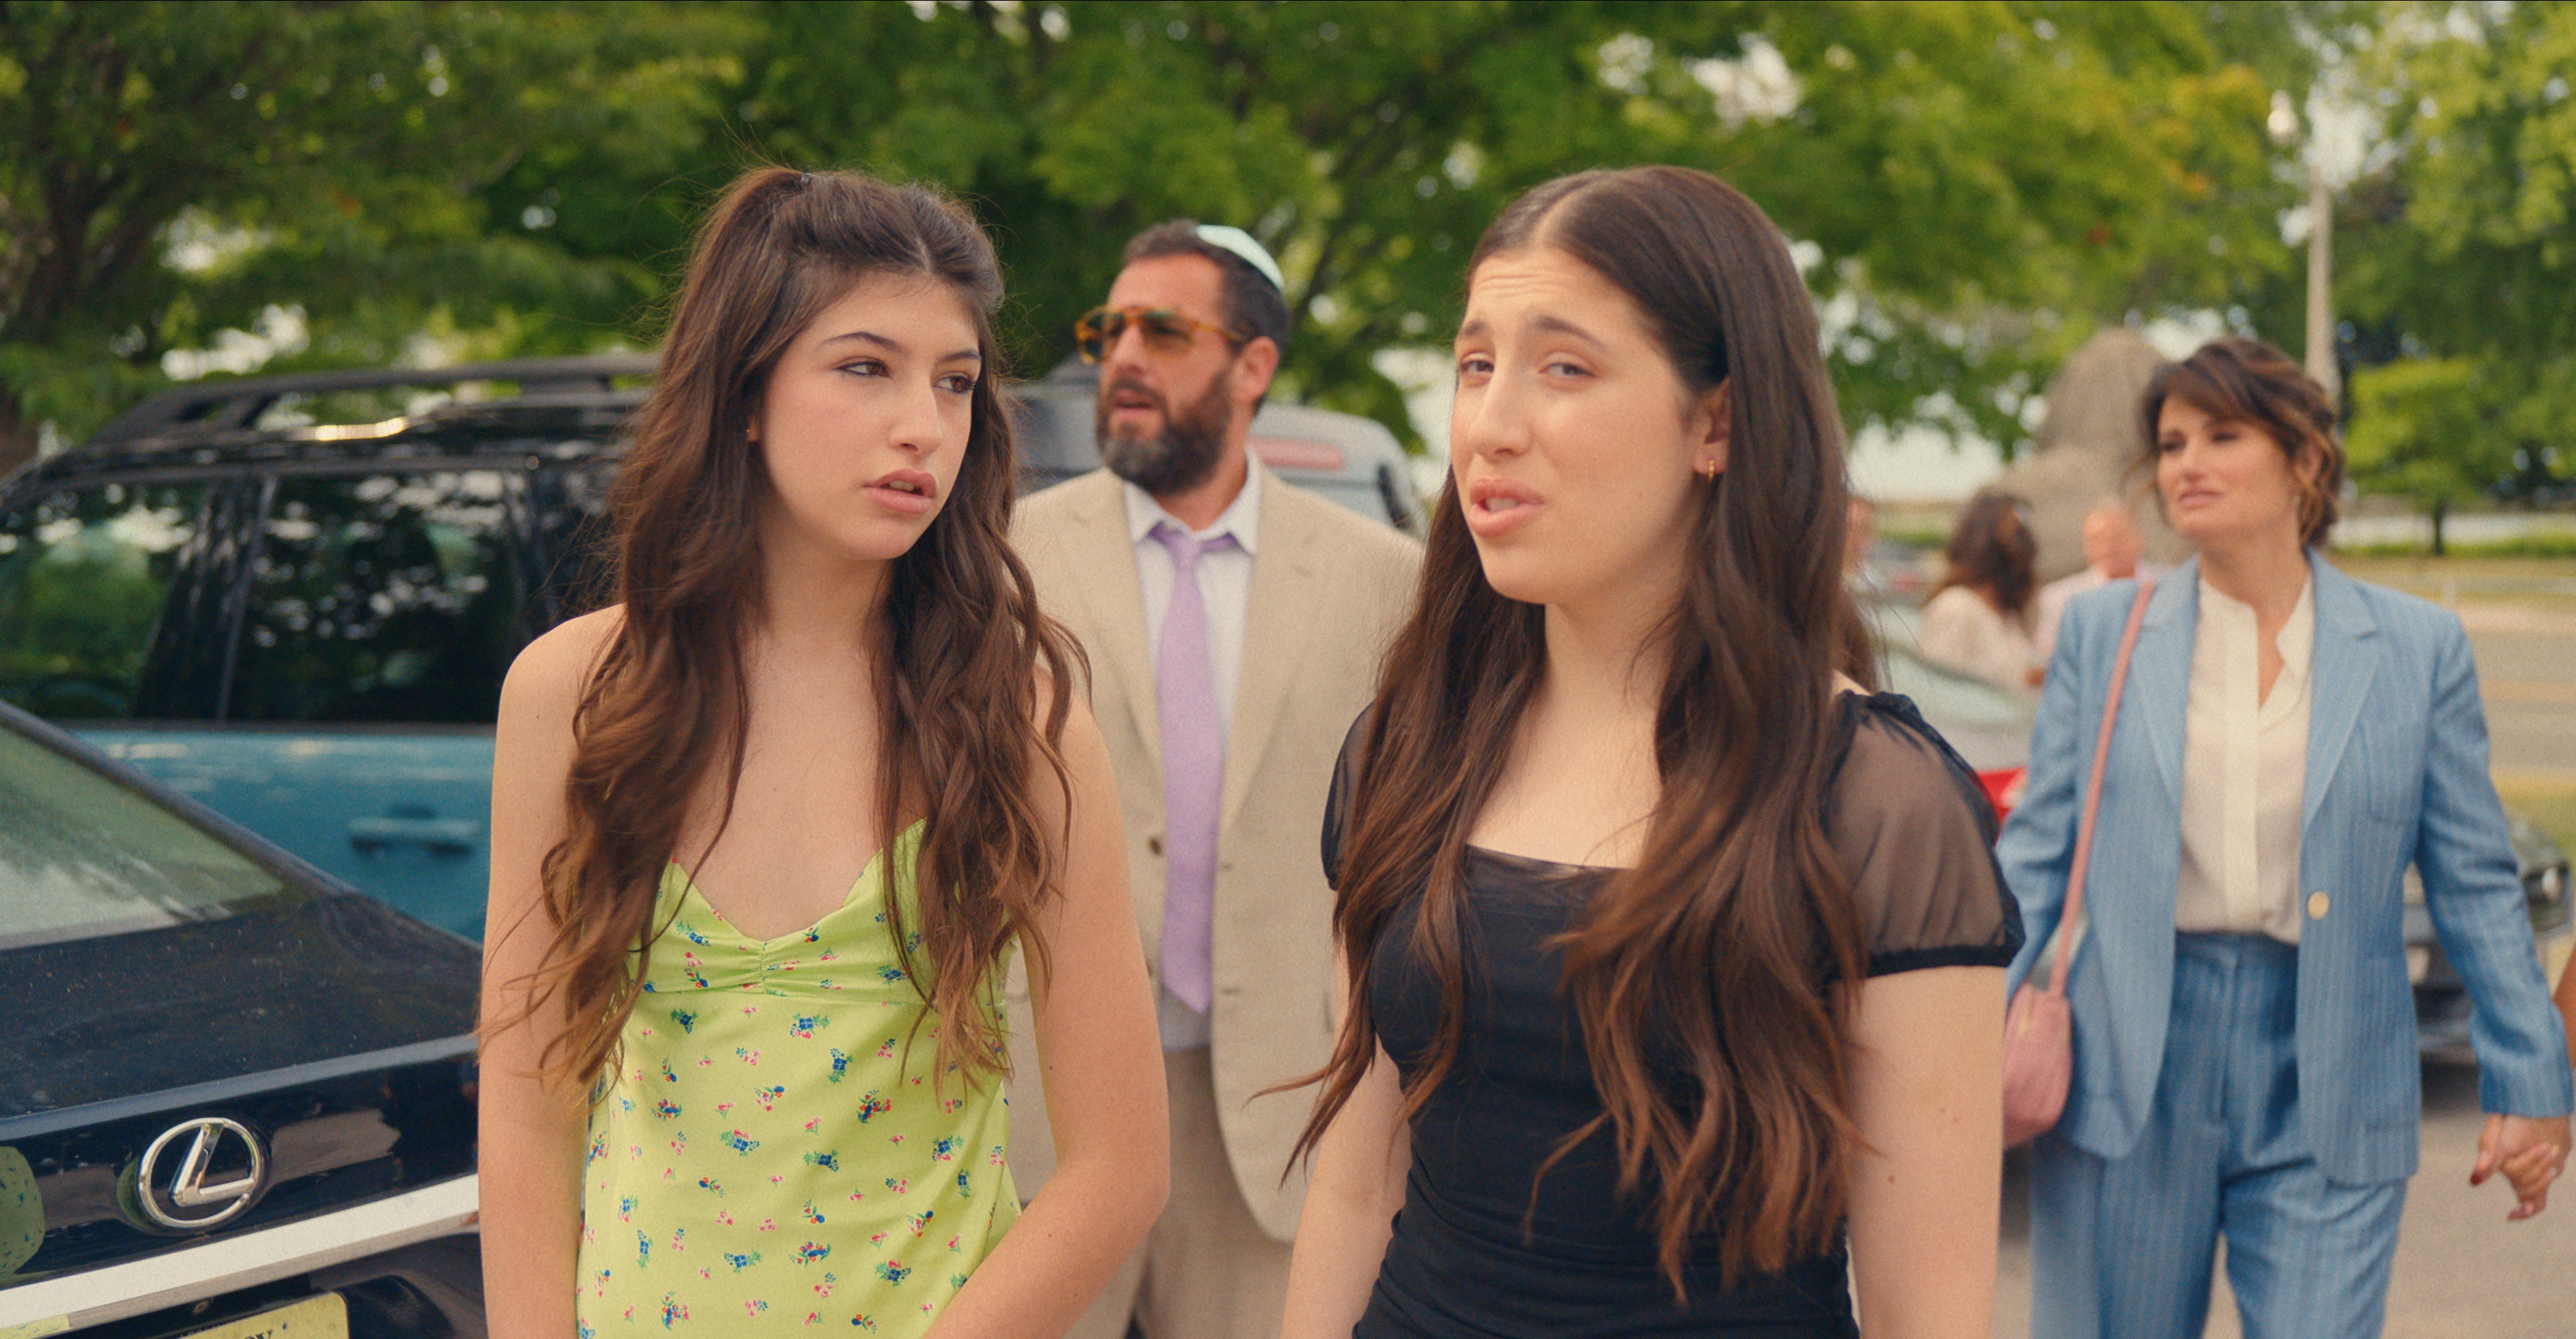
(2289, 741)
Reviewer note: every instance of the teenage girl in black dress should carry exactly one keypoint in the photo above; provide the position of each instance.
(1676, 960)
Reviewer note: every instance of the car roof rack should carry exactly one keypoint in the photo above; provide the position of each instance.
(237, 402)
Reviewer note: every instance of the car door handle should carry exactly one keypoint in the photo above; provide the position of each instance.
(438, 836)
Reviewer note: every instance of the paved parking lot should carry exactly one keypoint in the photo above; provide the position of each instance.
(2463, 1272)
(2527, 674)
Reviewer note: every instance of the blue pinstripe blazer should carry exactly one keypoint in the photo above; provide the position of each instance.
(2397, 773)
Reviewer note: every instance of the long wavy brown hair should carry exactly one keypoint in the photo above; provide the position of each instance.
(1700, 975)
(1991, 551)
(958, 664)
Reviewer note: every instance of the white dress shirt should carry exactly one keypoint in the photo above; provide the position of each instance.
(1225, 583)
(2245, 771)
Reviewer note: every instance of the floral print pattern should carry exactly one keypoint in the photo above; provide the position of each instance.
(781, 1146)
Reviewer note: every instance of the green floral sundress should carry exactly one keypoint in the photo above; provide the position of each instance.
(774, 1151)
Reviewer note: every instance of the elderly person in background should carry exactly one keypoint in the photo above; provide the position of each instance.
(1978, 619)
(2112, 546)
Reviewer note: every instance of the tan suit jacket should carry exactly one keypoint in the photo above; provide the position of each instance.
(1329, 588)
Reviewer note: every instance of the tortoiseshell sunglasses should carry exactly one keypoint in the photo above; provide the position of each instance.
(1166, 330)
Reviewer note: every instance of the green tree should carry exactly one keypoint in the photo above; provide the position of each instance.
(169, 170)
(1976, 187)
(1981, 184)
(2464, 237)
(2458, 247)
(2437, 430)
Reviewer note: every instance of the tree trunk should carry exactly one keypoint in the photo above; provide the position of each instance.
(2441, 509)
(17, 434)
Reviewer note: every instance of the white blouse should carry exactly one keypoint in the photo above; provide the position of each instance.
(2245, 770)
(1961, 631)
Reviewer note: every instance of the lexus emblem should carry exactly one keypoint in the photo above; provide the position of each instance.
(201, 1174)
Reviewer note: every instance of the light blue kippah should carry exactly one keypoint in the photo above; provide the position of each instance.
(1240, 243)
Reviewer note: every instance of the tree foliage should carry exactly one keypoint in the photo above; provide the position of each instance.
(2430, 429)
(168, 171)
(1974, 188)
(2458, 252)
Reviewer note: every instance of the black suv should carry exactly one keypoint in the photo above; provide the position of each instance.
(294, 598)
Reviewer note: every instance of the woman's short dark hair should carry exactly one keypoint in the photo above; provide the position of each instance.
(1992, 550)
(2240, 380)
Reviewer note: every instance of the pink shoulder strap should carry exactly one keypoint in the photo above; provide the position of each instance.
(2093, 792)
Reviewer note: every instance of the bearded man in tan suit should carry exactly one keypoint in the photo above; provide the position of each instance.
(1234, 625)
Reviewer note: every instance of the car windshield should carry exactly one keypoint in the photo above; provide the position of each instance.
(82, 855)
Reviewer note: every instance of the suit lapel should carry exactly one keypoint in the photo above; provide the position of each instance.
(2160, 669)
(1279, 617)
(2339, 678)
(1105, 583)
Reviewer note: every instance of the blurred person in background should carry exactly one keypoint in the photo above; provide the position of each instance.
(1860, 530)
(1674, 958)
(824, 728)
(2289, 740)
(1234, 624)
(1872, 593)
(1978, 618)
(2112, 547)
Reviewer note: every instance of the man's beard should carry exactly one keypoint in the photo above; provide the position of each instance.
(1180, 457)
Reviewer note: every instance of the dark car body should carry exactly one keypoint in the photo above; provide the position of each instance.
(233, 1085)
(295, 598)
(302, 622)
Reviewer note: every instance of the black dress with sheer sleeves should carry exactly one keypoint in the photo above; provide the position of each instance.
(1481, 1251)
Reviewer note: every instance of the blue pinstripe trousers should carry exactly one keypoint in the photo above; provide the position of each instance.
(2122, 1248)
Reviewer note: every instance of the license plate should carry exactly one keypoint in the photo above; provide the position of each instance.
(323, 1317)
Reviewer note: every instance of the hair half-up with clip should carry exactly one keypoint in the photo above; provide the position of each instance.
(965, 655)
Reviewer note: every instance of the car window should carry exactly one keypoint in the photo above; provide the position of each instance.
(568, 509)
(382, 598)
(81, 855)
(1358, 494)
(85, 574)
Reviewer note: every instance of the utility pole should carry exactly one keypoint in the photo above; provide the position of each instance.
(2321, 334)
(2283, 124)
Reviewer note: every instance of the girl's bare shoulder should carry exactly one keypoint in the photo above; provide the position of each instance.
(547, 677)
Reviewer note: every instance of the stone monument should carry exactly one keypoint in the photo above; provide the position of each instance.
(2087, 443)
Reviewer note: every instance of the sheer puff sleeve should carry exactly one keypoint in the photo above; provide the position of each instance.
(1915, 835)
(1337, 802)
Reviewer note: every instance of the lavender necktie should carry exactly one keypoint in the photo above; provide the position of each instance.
(1193, 772)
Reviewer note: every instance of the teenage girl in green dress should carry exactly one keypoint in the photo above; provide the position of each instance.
(767, 832)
